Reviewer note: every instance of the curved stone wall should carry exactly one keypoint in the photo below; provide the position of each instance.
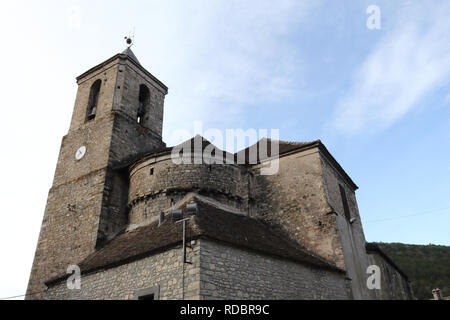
(157, 183)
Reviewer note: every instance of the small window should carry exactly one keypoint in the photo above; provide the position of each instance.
(147, 294)
(344, 202)
(91, 111)
(147, 297)
(151, 171)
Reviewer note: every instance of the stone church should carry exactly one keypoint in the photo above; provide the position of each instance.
(140, 226)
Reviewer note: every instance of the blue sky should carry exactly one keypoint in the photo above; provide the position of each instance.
(378, 99)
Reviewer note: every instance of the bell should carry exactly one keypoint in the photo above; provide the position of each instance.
(91, 114)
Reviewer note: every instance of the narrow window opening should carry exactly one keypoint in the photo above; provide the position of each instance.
(344, 202)
(93, 100)
(144, 99)
(151, 171)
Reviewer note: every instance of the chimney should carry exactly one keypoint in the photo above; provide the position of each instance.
(437, 294)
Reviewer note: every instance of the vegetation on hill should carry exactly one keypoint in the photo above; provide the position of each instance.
(427, 266)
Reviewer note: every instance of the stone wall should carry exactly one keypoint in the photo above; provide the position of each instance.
(394, 286)
(130, 139)
(130, 78)
(217, 271)
(96, 137)
(107, 74)
(147, 209)
(294, 200)
(68, 234)
(119, 91)
(94, 198)
(351, 235)
(232, 273)
(87, 203)
(114, 213)
(71, 220)
(164, 269)
(157, 183)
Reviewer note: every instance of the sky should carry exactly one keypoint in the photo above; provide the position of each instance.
(379, 99)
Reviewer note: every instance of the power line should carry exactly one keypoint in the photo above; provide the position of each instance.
(23, 295)
(410, 215)
(373, 221)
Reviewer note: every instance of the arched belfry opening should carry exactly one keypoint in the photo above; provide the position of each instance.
(144, 102)
(93, 100)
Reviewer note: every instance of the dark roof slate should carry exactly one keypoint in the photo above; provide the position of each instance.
(131, 54)
(210, 222)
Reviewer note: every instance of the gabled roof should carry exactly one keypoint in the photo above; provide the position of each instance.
(243, 157)
(194, 145)
(265, 143)
(210, 222)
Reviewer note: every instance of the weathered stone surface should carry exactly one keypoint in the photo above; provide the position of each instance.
(127, 178)
(231, 273)
(394, 285)
(164, 269)
(295, 200)
(216, 271)
(87, 204)
(158, 183)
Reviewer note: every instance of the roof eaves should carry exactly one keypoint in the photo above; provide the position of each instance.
(164, 88)
(336, 164)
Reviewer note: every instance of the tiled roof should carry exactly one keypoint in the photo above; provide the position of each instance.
(210, 222)
(283, 147)
(194, 143)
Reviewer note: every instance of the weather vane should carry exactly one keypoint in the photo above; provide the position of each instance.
(130, 39)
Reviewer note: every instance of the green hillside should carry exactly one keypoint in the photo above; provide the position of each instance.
(427, 267)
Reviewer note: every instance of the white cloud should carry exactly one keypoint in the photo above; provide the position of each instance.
(234, 54)
(203, 50)
(406, 64)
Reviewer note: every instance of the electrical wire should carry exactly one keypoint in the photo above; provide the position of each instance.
(23, 295)
(410, 215)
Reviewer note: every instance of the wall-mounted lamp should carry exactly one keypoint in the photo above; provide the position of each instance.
(177, 215)
(191, 208)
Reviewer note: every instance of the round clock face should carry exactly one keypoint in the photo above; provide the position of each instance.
(80, 153)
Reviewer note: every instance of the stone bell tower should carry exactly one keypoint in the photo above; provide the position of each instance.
(118, 113)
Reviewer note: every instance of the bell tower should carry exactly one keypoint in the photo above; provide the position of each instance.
(118, 114)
